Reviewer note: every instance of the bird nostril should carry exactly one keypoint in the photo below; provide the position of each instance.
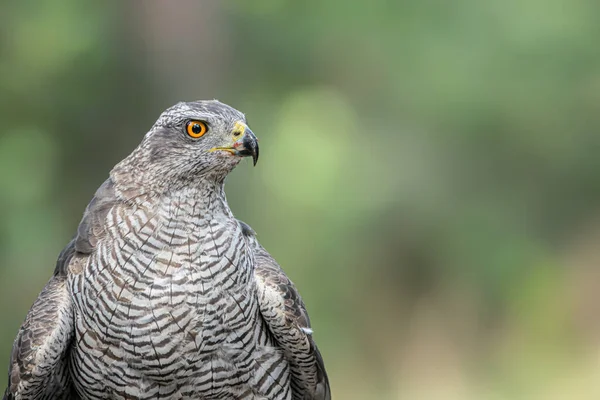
(237, 133)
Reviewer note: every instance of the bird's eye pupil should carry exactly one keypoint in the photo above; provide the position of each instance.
(196, 128)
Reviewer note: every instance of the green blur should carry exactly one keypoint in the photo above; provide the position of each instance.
(429, 173)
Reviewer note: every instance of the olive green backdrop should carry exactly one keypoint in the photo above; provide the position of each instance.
(429, 172)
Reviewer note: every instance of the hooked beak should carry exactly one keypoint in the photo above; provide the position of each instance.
(247, 146)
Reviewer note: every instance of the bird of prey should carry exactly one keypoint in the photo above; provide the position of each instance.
(162, 293)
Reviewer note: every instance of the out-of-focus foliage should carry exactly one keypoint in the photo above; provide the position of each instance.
(429, 174)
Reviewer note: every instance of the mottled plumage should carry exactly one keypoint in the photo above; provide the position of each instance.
(162, 293)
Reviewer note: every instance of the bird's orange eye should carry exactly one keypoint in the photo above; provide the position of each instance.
(196, 129)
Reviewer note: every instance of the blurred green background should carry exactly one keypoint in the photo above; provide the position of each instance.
(429, 172)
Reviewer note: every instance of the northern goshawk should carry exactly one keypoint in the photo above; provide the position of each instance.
(162, 293)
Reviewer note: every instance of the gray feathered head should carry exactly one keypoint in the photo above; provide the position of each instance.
(191, 141)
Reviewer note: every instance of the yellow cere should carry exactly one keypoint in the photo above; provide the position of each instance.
(240, 127)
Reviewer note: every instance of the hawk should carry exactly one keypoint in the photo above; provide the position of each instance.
(162, 293)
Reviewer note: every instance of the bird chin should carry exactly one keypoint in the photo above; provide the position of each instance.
(228, 158)
(228, 155)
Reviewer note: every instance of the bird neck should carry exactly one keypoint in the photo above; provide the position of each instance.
(207, 195)
(134, 182)
(203, 199)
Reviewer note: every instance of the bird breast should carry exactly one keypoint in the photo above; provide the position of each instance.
(169, 286)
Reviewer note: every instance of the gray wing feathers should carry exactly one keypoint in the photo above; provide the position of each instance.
(91, 228)
(38, 365)
(284, 312)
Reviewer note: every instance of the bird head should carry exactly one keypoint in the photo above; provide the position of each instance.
(198, 139)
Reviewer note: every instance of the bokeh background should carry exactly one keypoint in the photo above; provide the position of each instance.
(429, 172)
